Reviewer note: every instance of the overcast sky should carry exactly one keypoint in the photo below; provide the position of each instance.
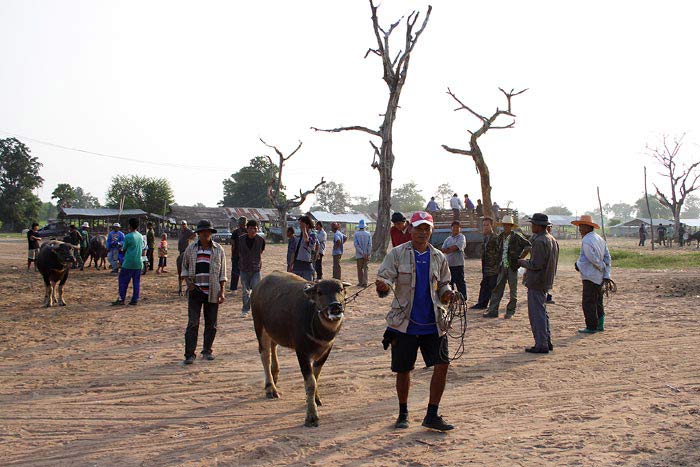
(195, 84)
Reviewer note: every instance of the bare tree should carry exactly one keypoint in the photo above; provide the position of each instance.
(275, 186)
(474, 151)
(395, 72)
(682, 178)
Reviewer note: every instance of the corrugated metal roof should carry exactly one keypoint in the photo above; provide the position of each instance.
(259, 214)
(556, 220)
(100, 212)
(343, 218)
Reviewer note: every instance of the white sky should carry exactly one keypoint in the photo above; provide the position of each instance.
(196, 83)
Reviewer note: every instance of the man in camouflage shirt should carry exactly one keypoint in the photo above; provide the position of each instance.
(489, 264)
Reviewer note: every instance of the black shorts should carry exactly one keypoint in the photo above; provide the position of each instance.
(404, 350)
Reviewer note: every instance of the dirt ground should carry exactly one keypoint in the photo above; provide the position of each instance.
(90, 384)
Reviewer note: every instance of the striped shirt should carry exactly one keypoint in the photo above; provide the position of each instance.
(201, 269)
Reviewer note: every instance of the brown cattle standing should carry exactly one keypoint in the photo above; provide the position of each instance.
(300, 315)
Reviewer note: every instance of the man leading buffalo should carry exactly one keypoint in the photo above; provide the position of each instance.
(420, 277)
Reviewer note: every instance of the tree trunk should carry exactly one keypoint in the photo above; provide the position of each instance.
(485, 177)
(380, 239)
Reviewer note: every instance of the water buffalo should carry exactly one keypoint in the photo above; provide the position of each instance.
(694, 236)
(300, 315)
(53, 262)
(97, 251)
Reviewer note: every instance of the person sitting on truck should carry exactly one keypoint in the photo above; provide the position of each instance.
(456, 205)
(432, 205)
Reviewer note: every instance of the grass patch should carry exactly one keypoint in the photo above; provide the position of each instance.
(645, 259)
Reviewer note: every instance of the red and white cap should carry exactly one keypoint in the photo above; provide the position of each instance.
(421, 217)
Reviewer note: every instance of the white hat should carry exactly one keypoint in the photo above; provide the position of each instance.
(117, 224)
(507, 219)
(85, 224)
(183, 222)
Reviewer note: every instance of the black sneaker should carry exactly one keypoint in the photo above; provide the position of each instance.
(189, 360)
(118, 303)
(133, 303)
(436, 422)
(536, 350)
(490, 315)
(402, 421)
(208, 356)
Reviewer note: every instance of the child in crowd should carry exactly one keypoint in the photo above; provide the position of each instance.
(162, 254)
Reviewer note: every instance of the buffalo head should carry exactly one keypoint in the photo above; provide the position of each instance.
(62, 250)
(329, 297)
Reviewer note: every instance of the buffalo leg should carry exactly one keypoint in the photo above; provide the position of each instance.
(265, 353)
(275, 363)
(318, 364)
(47, 292)
(310, 385)
(60, 289)
(53, 293)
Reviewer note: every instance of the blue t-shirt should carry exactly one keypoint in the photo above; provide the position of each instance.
(422, 312)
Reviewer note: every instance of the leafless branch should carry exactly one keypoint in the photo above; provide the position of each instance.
(349, 128)
(299, 199)
(457, 151)
(279, 153)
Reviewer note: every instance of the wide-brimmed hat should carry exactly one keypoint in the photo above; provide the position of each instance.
(539, 219)
(507, 219)
(183, 222)
(421, 217)
(85, 224)
(205, 224)
(586, 220)
(117, 224)
(361, 224)
(398, 217)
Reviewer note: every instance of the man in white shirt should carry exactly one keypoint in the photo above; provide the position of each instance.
(456, 205)
(594, 266)
(453, 248)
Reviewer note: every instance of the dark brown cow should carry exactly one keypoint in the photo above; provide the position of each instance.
(97, 251)
(53, 262)
(300, 315)
(694, 236)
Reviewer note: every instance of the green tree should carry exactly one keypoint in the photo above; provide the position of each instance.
(47, 211)
(19, 175)
(407, 198)
(331, 197)
(558, 210)
(146, 193)
(658, 210)
(444, 192)
(623, 211)
(363, 204)
(69, 197)
(691, 208)
(248, 186)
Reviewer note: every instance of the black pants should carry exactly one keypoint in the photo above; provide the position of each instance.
(486, 289)
(592, 303)
(642, 240)
(318, 266)
(457, 273)
(196, 302)
(149, 255)
(235, 273)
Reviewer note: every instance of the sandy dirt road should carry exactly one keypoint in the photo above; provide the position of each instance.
(89, 384)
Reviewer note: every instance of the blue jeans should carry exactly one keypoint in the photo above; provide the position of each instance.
(539, 319)
(126, 275)
(248, 281)
(113, 259)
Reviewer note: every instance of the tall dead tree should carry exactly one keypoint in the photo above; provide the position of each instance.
(395, 72)
(474, 151)
(275, 186)
(684, 179)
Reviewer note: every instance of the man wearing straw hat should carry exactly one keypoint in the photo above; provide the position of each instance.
(539, 278)
(512, 246)
(594, 266)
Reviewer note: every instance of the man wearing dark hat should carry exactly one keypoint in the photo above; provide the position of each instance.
(539, 278)
(512, 246)
(594, 266)
(236, 237)
(204, 271)
(400, 231)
